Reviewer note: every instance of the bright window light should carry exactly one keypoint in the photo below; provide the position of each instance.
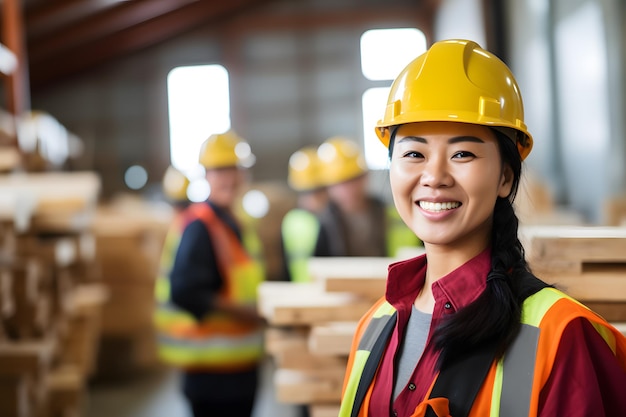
(374, 103)
(199, 105)
(385, 52)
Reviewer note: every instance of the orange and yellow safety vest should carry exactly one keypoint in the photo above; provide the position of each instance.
(218, 341)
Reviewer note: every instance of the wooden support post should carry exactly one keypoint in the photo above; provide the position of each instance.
(17, 84)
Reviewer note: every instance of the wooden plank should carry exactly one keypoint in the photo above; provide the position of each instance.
(287, 303)
(324, 410)
(323, 268)
(303, 359)
(332, 338)
(300, 387)
(590, 286)
(54, 201)
(26, 357)
(545, 245)
(371, 288)
(66, 391)
(281, 339)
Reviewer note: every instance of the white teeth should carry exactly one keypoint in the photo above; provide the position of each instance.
(436, 207)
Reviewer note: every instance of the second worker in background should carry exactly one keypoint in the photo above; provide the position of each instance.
(355, 223)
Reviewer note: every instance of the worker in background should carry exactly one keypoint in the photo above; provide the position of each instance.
(466, 329)
(354, 223)
(209, 327)
(300, 226)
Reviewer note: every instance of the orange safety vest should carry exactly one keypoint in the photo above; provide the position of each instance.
(219, 341)
(513, 384)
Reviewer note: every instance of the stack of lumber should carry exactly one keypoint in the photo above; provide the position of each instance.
(129, 237)
(50, 299)
(310, 327)
(588, 263)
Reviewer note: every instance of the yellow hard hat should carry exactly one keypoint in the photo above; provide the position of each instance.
(225, 150)
(341, 160)
(305, 173)
(457, 81)
(175, 184)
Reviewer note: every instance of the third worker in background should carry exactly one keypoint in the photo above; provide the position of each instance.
(355, 223)
(300, 226)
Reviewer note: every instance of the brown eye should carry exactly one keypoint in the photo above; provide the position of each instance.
(462, 155)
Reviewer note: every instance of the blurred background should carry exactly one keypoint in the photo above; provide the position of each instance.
(100, 97)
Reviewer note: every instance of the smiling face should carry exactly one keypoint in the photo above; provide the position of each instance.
(445, 179)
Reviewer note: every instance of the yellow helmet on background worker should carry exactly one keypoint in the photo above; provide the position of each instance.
(224, 150)
(175, 184)
(305, 173)
(457, 81)
(341, 159)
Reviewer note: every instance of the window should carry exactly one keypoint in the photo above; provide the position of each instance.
(199, 105)
(384, 53)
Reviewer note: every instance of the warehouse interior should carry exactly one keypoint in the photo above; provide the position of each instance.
(86, 135)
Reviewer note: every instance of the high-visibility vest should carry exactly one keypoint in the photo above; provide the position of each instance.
(299, 231)
(218, 341)
(513, 384)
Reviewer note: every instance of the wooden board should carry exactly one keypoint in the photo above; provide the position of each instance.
(303, 359)
(568, 249)
(287, 303)
(322, 268)
(589, 286)
(332, 338)
(324, 410)
(26, 358)
(300, 387)
(281, 339)
(54, 201)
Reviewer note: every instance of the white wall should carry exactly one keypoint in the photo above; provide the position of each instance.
(568, 61)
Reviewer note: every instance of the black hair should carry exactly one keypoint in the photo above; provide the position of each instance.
(494, 317)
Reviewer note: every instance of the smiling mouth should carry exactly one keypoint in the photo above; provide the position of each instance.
(438, 207)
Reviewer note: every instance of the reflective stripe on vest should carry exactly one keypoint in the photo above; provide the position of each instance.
(511, 397)
(398, 234)
(357, 386)
(299, 229)
(218, 341)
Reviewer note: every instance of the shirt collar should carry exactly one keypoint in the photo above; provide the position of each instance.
(460, 287)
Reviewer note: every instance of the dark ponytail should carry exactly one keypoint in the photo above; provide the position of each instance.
(494, 318)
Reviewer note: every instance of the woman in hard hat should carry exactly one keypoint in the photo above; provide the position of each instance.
(207, 320)
(355, 223)
(300, 226)
(467, 329)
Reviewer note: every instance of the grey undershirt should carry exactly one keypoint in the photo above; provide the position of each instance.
(411, 348)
